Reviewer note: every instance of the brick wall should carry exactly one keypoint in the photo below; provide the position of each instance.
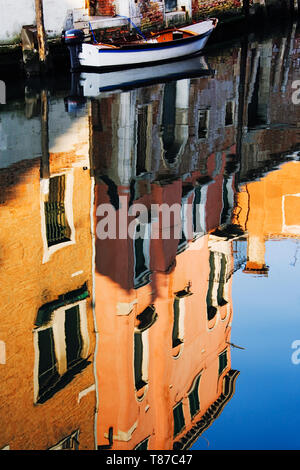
(104, 7)
(195, 7)
(152, 14)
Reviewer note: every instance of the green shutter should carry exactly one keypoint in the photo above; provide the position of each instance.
(222, 281)
(178, 419)
(57, 228)
(47, 374)
(194, 398)
(74, 341)
(211, 309)
(147, 318)
(138, 361)
(222, 361)
(143, 445)
(196, 204)
(175, 333)
(45, 312)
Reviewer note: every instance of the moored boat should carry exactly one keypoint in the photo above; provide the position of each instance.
(167, 45)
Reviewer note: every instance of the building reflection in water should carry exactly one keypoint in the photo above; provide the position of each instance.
(171, 326)
(268, 210)
(47, 322)
(125, 343)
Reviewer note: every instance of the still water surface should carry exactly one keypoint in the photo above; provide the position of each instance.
(153, 342)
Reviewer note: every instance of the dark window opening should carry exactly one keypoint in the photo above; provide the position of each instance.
(74, 341)
(257, 114)
(69, 443)
(222, 361)
(170, 146)
(194, 398)
(54, 373)
(178, 416)
(47, 374)
(211, 309)
(142, 139)
(176, 341)
(203, 123)
(196, 216)
(138, 361)
(222, 281)
(147, 318)
(229, 113)
(140, 262)
(143, 445)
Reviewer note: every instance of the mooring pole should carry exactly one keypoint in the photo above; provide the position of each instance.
(41, 35)
(246, 8)
(45, 168)
(296, 6)
(241, 124)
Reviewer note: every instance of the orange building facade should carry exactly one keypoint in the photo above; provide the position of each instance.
(165, 306)
(47, 332)
(164, 355)
(268, 210)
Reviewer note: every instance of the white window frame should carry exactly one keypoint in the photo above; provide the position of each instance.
(192, 388)
(68, 202)
(201, 212)
(181, 307)
(146, 251)
(289, 229)
(148, 150)
(59, 446)
(57, 323)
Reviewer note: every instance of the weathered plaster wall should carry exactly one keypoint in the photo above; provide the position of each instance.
(10, 22)
(55, 14)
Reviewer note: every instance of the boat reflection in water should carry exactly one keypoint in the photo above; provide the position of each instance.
(90, 85)
(125, 342)
(95, 83)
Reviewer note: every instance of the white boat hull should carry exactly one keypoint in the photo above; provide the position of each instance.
(168, 45)
(95, 56)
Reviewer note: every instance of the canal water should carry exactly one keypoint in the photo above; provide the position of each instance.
(150, 255)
